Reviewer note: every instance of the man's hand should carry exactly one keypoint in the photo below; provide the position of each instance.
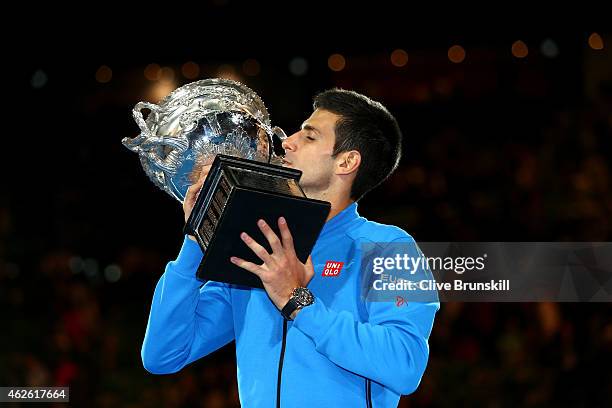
(281, 271)
(192, 194)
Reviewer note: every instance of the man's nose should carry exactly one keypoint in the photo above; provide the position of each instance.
(289, 143)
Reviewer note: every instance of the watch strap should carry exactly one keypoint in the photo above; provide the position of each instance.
(291, 306)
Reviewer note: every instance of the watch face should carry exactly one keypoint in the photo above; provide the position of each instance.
(303, 296)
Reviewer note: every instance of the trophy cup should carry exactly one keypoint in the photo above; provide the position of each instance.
(225, 123)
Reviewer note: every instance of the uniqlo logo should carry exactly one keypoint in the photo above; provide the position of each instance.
(332, 268)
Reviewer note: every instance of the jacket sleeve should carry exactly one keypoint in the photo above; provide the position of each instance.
(391, 348)
(187, 321)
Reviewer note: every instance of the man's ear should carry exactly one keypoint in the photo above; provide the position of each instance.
(348, 162)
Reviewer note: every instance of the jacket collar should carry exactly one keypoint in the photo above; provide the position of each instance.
(340, 221)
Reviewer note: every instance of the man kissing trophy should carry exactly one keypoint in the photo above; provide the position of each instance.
(225, 123)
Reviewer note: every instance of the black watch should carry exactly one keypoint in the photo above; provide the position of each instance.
(300, 297)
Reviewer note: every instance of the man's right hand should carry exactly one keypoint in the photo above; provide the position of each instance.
(192, 195)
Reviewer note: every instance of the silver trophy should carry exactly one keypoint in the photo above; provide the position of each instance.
(196, 122)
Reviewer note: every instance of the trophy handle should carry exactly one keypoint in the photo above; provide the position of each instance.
(276, 147)
(149, 145)
(145, 133)
(137, 113)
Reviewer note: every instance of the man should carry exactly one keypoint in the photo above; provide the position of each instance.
(310, 338)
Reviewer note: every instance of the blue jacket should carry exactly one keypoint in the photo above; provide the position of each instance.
(339, 351)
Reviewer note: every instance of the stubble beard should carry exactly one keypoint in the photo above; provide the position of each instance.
(317, 189)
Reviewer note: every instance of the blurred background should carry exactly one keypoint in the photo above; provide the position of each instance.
(507, 137)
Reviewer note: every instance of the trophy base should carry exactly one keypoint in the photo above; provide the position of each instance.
(304, 218)
(237, 194)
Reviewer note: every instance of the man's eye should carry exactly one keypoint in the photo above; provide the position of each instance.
(309, 138)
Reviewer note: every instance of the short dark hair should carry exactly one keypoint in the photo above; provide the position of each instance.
(366, 126)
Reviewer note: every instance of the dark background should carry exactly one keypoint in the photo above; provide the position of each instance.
(496, 148)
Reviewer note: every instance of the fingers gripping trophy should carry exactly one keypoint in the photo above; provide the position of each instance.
(224, 126)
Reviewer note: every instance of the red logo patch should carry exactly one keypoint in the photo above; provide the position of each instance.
(332, 269)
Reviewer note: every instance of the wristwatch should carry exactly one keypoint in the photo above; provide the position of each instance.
(300, 297)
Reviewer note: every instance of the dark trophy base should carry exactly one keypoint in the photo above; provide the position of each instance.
(236, 194)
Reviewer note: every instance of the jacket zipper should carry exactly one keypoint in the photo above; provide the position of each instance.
(280, 364)
(368, 385)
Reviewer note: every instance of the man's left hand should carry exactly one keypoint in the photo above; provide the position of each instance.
(281, 271)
